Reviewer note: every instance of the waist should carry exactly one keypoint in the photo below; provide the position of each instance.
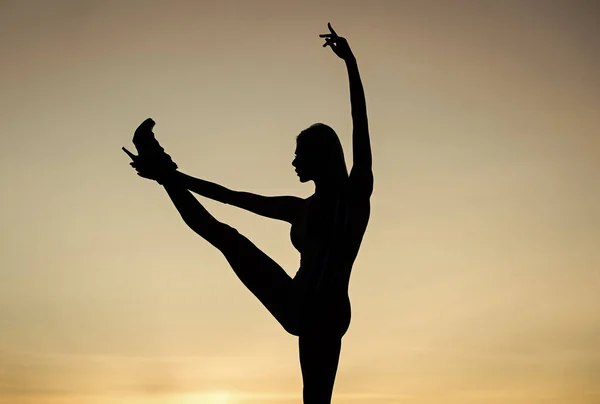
(310, 273)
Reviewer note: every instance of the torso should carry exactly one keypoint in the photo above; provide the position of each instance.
(334, 225)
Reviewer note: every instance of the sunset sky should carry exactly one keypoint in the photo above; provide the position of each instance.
(479, 276)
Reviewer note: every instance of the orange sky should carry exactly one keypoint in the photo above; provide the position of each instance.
(478, 276)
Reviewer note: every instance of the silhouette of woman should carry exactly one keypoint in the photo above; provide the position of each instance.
(327, 229)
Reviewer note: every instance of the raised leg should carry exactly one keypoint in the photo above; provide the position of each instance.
(257, 271)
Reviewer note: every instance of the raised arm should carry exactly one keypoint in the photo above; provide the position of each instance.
(361, 175)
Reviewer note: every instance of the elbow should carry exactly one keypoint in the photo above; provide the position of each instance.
(361, 180)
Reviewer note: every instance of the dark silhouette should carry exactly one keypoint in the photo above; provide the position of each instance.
(327, 230)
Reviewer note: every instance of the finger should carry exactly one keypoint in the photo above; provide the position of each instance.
(130, 154)
(325, 35)
(331, 29)
(329, 42)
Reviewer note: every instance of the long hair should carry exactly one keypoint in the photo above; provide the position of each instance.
(325, 146)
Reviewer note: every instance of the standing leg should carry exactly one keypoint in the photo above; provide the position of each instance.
(319, 358)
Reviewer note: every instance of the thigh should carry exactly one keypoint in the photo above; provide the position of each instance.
(322, 310)
(266, 279)
(319, 359)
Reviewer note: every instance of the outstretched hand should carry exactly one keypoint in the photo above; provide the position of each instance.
(338, 44)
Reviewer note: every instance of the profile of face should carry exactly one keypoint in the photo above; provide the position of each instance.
(305, 163)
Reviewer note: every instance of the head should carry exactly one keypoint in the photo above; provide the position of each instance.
(319, 156)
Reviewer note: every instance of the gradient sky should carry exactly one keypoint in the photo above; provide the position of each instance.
(478, 278)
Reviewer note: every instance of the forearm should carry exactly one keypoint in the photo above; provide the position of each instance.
(357, 93)
(205, 188)
(361, 144)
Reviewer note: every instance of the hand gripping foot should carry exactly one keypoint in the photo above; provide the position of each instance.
(151, 162)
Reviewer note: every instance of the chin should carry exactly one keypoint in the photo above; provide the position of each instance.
(301, 178)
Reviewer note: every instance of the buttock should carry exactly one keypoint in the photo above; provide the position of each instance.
(323, 311)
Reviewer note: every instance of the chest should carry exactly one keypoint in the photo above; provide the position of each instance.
(321, 222)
